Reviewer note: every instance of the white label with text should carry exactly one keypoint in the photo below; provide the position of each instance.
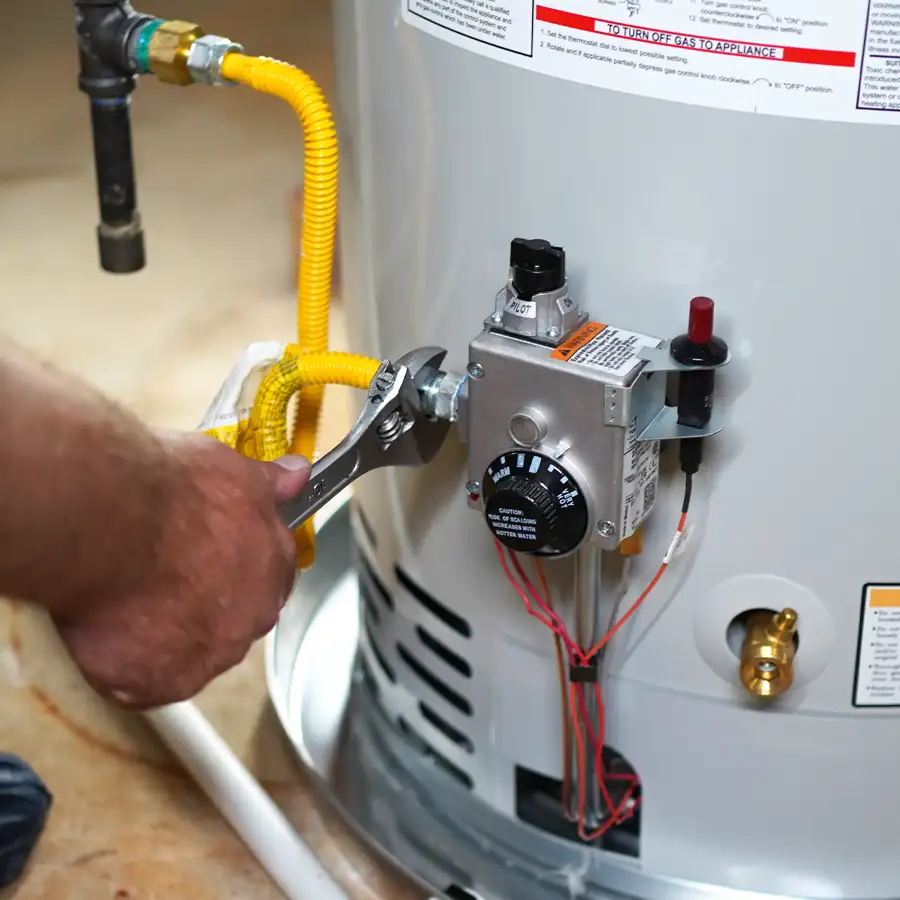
(640, 476)
(836, 60)
(524, 309)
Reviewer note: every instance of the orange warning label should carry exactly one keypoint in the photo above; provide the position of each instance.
(884, 597)
(580, 339)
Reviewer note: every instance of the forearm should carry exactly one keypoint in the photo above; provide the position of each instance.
(81, 489)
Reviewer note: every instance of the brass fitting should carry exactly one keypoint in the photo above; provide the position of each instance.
(767, 655)
(168, 51)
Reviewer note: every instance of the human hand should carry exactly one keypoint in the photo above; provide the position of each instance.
(223, 568)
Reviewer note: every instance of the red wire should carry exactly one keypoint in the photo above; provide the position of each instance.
(555, 624)
(597, 741)
(575, 652)
(634, 606)
(617, 815)
(578, 703)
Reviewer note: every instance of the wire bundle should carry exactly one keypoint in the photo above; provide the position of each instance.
(574, 700)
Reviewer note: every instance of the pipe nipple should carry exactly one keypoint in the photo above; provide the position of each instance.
(122, 249)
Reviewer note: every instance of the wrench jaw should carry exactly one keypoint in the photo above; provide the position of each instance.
(428, 434)
(393, 429)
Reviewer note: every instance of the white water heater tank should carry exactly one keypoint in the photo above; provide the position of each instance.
(744, 150)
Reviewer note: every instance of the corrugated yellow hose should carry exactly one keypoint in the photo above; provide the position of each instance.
(268, 419)
(320, 205)
(266, 436)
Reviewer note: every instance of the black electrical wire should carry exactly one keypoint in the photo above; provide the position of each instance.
(688, 489)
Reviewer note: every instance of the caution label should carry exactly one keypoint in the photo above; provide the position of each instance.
(834, 60)
(878, 653)
(513, 522)
(612, 350)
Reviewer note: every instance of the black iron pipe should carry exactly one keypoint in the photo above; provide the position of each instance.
(104, 29)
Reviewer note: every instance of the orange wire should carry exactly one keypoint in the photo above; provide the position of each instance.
(564, 697)
(555, 628)
(617, 815)
(634, 606)
(570, 703)
(597, 740)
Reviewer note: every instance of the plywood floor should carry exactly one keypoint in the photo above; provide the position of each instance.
(217, 171)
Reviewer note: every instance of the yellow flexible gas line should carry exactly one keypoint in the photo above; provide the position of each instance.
(266, 437)
(320, 205)
(268, 419)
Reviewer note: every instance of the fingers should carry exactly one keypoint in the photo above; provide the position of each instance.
(286, 477)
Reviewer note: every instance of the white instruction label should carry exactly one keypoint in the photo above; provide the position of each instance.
(611, 350)
(640, 477)
(878, 655)
(524, 309)
(835, 60)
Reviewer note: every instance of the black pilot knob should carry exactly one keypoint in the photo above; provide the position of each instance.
(522, 515)
(537, 267)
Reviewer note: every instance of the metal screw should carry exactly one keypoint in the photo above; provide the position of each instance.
(475, 370)
(606, 529)
(473, 489)
(497, 318)
(391, 427)
(384, 381)
(553, 332)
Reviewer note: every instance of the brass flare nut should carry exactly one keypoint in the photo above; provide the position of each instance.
(169, 49)
(767, 655)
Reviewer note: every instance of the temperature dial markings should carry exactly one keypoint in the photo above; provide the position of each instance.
(533, 505)
(567, 498)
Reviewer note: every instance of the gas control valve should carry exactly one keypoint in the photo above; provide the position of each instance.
(564, 416)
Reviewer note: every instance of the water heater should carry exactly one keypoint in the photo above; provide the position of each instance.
(558, 195)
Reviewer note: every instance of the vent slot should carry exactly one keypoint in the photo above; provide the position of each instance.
(453, 771)
(375, 581)
(379, 657)
(445, 728)
(454, 660)
(368, 679)
(369, 604)
(455, 892)
(371, 535)
(539, 804)
(447, 616)
(435, 683)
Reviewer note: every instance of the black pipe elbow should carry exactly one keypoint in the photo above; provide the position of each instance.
(108, 76)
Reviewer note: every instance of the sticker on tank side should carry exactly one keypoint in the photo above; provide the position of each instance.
(877, 681)
(640, 476)
(833, 60)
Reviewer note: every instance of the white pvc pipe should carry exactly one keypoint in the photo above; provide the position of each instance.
(245, 805)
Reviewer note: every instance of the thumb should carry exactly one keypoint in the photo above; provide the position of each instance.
(287, 476)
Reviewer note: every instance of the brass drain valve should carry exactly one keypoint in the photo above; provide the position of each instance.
(767, 655)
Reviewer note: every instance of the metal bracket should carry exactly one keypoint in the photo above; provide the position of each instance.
(616, 405)
(659, 359)
(665, 427)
